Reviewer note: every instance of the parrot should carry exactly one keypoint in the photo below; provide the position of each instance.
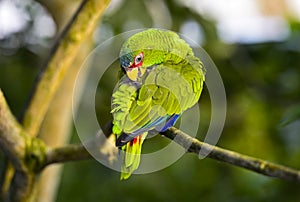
(160, 78)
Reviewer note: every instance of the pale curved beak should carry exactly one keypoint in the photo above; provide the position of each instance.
(135, 74)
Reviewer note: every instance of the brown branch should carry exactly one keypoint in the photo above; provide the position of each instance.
(73, 152)
(17, 145)
(79, 152)
(24, 187)
(12, 139)
(250, 163)
(80, 27)
(76, 152)
(6, 178)
(58, 118)
(14, 142)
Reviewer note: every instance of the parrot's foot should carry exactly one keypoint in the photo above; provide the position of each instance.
(109, 150)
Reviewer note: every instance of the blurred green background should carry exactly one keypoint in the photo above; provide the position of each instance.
(256, 47)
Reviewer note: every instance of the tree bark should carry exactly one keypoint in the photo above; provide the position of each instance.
(48, 86)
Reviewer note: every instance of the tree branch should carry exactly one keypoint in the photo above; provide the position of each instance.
(14, 143)
(12, 139)
(76, 152)
(61, 57)
(6, 178)
(24, 152)
(79, 152)
(233, 158)
(73, 152)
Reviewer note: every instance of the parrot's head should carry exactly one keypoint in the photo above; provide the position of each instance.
(144, 50)
(132, 64)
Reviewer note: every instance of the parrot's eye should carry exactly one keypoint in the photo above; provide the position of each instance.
(138, 59)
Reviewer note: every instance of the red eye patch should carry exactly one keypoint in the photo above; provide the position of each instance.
(138, 60)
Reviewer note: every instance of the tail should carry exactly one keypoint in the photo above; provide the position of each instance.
(132, 156)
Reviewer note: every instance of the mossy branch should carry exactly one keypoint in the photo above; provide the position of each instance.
(12, 138)
(17, 141)
(16, 145)
(80, 27)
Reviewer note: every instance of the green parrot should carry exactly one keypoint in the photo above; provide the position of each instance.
(162, 78)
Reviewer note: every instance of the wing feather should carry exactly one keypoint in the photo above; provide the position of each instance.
(164, 94)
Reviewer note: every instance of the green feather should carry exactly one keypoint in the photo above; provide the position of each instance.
(131, 158)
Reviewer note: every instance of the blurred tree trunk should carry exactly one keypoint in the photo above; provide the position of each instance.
(59, 116)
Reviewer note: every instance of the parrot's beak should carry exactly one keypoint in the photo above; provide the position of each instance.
(135, 73)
